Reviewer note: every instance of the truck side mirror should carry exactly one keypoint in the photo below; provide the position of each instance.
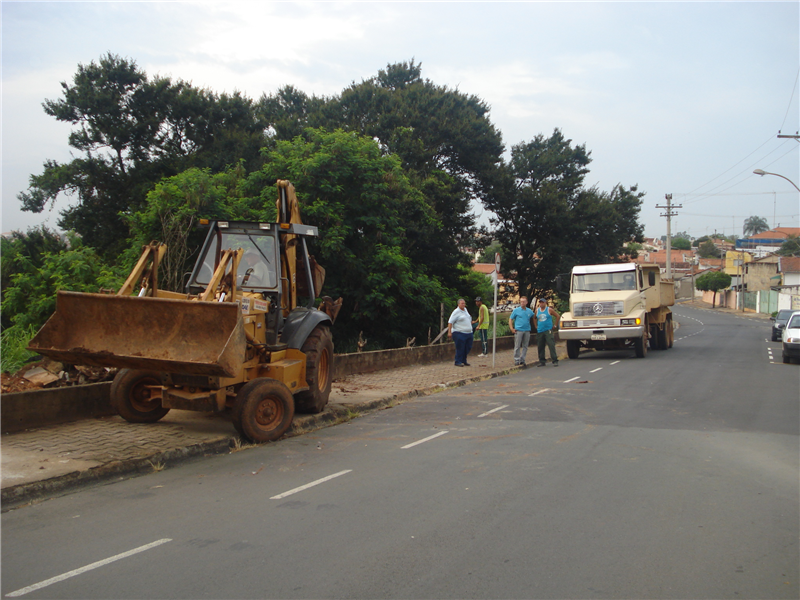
(651, 278)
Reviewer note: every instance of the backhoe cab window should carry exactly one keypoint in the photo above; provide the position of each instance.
(257, 269)
(596, 282)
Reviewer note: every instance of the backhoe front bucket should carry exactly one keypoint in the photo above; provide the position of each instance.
(159, 334)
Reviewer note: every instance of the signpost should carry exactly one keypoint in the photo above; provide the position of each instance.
(496, 277)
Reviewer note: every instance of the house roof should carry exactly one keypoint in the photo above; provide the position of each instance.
(777, 233)
(789, 264)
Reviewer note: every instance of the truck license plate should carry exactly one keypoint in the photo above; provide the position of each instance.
(598, 336)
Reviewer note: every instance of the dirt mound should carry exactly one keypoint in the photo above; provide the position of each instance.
(48, 373)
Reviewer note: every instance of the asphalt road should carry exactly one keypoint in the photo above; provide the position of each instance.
(676, 476)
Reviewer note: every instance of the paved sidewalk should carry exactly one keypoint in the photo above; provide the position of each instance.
(42, 462)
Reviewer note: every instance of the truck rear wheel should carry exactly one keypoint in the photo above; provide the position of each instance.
(264, 410)
(663, 337)
(131, 396)
(640, 345)
(318, 349)
(573, 348)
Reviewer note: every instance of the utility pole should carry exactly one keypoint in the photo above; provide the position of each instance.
(670, 208)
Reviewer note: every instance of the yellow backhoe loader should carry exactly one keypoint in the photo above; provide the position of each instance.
(235, 339)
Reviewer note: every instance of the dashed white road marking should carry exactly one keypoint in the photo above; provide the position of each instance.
(539, 392)
(571, 380)
(94, 565)
(427, 439)
(596, 370)
(494, 410)
(615, 362)
(312, 484)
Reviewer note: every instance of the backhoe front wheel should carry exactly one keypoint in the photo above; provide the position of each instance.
(133, 397)
(318, 349)
(264, 410)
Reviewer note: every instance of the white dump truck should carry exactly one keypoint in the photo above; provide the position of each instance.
(618, 306)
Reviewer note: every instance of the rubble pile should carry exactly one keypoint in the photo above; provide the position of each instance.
(48, 373)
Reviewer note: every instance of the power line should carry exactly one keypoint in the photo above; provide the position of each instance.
(794, 89)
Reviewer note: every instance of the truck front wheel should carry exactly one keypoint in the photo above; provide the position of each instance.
(318, 349)
(573, 348)
(640, 345)
(132, 396)
(264, 410)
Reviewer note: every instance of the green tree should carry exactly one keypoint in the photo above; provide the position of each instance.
(31, 298)
(130, 132)
(681, 243)
(713, 281)
(547, 222)
(791, 247)
(708, 250)
(448, 148)
(24, 253)
(754, 225)
(362, 203)
(172, 211)
(488, 253)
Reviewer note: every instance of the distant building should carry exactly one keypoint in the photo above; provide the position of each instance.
(768, 239)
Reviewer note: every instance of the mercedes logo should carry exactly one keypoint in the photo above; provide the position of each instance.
(597, 309)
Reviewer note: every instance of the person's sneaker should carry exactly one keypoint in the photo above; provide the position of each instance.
(522, 363)
(542, 363)
(555, 363)
(516, 363)
(459, 364)
(467, 365)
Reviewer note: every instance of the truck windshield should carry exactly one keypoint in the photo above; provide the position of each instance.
(256, 269)
(596, 282)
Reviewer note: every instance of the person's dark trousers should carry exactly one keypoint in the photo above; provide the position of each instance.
(546, 338)
(484, 335)
(463, 342)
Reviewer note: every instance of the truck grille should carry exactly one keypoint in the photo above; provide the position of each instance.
(599, 323)
(598, 309)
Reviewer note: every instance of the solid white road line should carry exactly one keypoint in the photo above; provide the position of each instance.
(422, 441)
(539, 392)
(596, 370)
(615, 362)
(570, 380)
(310, 485)
(494, 410)
(94, 565)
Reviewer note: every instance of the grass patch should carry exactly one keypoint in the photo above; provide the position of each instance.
(13, 348)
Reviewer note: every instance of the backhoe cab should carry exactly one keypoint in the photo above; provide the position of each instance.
(236, 339)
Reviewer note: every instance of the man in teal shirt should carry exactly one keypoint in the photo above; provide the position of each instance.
(520, 323)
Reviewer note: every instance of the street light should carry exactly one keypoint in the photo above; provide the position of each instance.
(762, 173)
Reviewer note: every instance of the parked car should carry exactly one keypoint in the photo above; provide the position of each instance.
(790, 337)
(779, 322)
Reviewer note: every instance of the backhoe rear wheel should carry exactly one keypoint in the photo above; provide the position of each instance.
(131, 396)
(263, 411)
(318, 349)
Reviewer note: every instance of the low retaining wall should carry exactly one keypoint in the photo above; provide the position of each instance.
(36, 408)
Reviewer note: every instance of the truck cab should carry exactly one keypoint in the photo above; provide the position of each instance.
(615, 306)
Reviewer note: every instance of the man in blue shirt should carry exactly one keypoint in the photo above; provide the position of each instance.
(520, 323)
(544, 330)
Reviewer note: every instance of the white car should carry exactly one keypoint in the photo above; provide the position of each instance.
(790, 338)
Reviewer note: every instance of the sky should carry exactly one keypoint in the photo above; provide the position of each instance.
(681, 98)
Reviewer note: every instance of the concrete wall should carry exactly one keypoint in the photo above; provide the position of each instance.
(36, 408)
